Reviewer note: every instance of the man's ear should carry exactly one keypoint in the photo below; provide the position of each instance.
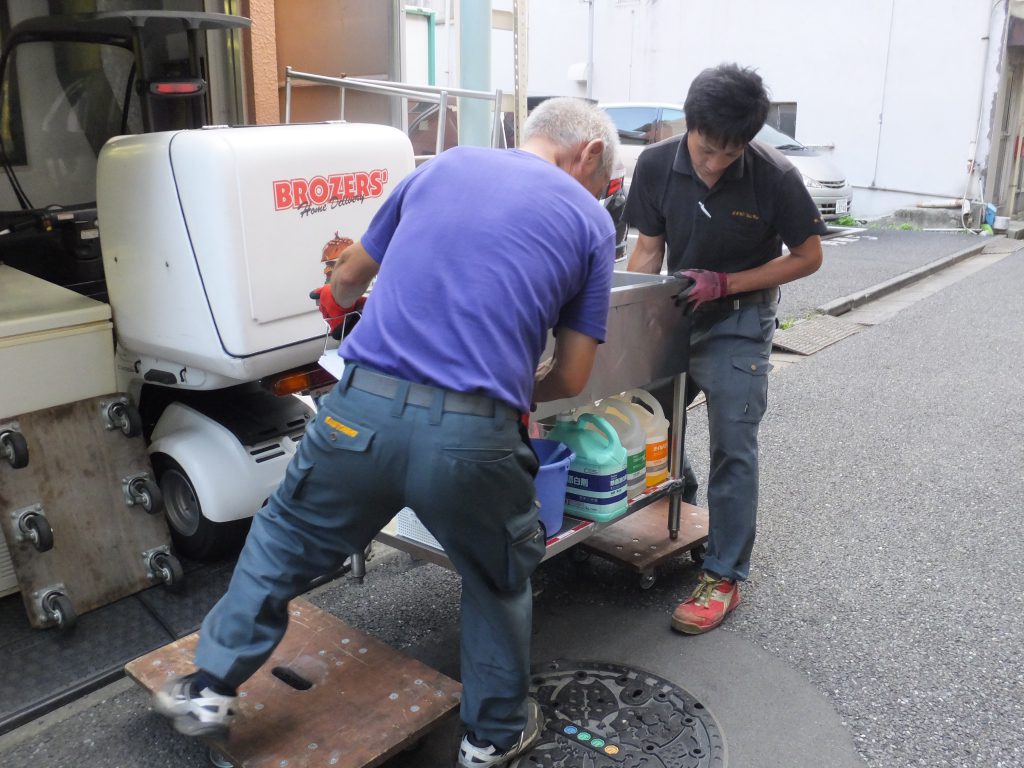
(592, 152)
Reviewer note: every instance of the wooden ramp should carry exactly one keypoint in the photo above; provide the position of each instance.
(330, 696)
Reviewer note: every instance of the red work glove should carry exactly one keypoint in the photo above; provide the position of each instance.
(333, 312)
(707, 285)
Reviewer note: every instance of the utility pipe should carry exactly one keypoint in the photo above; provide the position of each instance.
(590, 49)
(474, 70)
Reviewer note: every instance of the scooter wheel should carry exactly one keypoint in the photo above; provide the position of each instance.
(15, 448)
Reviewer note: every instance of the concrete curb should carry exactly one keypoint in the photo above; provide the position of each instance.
(846, 303)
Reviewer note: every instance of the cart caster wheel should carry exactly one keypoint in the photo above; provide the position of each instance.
(58, 608)
(217, 760)
(146, 494)
(36, 528)
(14, 448)
(647, 581)
(125, 416)
(579, 555)
(697, 553)
(167, 568)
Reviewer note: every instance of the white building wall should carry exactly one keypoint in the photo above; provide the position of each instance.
(899, 88)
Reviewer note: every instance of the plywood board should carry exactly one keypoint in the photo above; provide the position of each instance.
(367, 701)
(75, 473)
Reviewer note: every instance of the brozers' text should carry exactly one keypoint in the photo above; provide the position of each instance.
(321, 190)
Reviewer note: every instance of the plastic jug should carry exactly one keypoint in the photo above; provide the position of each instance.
(597, 476)
(655, 425)
(626, 423)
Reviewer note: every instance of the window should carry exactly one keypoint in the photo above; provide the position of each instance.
(672, 123)
(636, 124)
(782, 117)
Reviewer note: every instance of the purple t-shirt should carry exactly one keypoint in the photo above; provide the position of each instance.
(482, 251)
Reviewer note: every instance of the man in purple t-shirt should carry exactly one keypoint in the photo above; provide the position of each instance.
(477, 254)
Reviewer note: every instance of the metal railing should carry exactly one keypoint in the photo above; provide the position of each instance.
(428, 93)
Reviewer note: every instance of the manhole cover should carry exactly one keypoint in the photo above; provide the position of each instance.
(602, 715)
(815, 333)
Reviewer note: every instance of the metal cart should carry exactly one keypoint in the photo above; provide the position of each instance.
(647, 341)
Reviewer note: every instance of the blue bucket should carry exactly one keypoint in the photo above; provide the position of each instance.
(551, 481)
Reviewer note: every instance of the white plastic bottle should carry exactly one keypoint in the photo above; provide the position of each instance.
(655, 425)
(626, 423)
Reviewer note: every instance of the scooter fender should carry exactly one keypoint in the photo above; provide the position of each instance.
(228, 481)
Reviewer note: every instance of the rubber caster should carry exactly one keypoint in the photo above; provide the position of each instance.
(14, 448)
(125, 416)
(35, 528)
(697, 554)
(167, 568)
(58, 609)
(146, 493)
(217, 760)
(579, 555)
(647, 580)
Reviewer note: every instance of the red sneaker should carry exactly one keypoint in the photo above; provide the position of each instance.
(707, 607)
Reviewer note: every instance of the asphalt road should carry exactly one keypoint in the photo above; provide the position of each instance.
(881, 623)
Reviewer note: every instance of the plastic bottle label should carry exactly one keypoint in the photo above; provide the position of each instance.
(636, 472)
(657, 462)
(595, 493)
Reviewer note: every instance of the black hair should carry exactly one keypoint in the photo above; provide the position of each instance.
(727, 103)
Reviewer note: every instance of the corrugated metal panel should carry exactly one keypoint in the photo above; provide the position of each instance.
(8, 580)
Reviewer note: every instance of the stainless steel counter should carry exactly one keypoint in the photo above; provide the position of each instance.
(647, 340)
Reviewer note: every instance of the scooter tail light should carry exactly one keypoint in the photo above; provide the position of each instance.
(301, 381)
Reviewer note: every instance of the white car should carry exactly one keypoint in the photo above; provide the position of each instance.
(643, 123)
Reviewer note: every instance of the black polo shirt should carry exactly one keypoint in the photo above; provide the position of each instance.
(759, 203)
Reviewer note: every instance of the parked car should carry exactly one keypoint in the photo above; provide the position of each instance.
(643, 123)
(423, 134)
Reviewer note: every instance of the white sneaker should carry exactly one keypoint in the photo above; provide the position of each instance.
(472, 756)
(195, 713)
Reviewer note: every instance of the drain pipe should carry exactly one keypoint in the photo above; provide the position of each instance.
(885, 84)
(973, 165)
(475, 71)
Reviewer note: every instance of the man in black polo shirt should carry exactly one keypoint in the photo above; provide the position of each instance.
(724, 205)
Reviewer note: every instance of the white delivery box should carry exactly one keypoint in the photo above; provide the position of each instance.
(212, 241)
(56, 347)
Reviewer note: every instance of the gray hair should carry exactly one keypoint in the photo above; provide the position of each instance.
(568, 121)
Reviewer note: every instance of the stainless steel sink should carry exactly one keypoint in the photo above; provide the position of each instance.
(647, 340)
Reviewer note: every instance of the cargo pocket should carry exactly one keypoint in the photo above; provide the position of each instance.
(335, 431)
(756, 369)
(524, 547)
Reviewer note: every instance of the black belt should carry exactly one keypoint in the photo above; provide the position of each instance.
(731, 303)
(425, 395)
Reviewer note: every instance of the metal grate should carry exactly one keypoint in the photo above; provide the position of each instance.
(602, 714)
(814, 334)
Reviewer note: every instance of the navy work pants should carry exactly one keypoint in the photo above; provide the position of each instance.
(365, 457)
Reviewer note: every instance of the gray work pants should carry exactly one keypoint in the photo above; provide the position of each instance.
(364, 457)
(729, 363)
